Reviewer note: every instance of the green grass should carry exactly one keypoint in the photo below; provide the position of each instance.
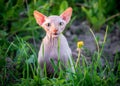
(19, 36)
(26, 73)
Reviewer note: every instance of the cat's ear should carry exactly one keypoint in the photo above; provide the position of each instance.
(40, 18)
(66, 15)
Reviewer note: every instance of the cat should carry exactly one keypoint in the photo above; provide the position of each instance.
(54, 26)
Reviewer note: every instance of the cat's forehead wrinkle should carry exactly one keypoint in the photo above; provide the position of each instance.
(54, 18)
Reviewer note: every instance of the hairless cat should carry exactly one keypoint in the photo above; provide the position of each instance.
(54, 26)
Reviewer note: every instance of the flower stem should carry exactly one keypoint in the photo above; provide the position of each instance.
(78, 59)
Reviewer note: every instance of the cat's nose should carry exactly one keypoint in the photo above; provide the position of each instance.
(55, 30)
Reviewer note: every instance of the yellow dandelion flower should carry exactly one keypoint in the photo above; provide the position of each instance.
(80, 44)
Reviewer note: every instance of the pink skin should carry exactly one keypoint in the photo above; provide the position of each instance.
(54, 26)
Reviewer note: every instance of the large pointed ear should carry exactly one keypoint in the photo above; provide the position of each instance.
(66, 15)
(40, 18)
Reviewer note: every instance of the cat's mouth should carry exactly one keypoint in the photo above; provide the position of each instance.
(55, 34)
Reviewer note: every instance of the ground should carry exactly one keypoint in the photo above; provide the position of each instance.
(79, 31)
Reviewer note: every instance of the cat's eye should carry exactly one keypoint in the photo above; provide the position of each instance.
(61, 23)
(48, 24)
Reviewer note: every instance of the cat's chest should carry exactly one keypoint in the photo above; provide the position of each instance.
(55, 49)
(52, 49)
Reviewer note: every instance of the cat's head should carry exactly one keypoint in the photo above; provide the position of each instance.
(53, 25)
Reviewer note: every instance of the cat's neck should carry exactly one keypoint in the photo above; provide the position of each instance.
(52, 41)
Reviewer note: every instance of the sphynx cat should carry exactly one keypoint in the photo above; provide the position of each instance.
(54, 26)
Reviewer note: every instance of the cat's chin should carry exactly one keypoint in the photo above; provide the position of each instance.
(55, 36)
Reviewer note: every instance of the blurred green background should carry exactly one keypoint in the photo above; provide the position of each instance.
(20, 35)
